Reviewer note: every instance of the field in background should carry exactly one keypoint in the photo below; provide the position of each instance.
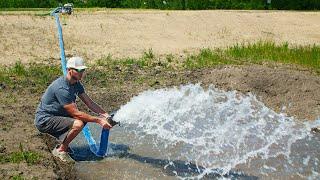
(99, 33)
(171, 4)
(273, 55)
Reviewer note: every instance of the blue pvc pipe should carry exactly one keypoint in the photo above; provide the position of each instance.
(92, 143)
(104, 138)
(103, 143)
(62, 55)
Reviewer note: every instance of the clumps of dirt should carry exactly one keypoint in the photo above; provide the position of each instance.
(61, 169)
(277, 86)
(18, 134)
(284, 89)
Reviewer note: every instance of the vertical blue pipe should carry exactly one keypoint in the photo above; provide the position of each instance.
(62, 55)
(103, 143)
(86, 131)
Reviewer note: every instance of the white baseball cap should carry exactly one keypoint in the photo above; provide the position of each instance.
(76, 63)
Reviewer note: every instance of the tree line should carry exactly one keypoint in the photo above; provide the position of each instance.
(170, 4)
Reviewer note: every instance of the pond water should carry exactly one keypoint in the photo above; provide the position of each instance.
(189, 132)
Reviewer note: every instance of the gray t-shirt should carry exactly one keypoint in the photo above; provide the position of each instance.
(58, 94)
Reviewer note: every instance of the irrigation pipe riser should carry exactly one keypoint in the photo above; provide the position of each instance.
(102, 149)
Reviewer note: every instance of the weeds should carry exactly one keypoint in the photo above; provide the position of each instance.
(17, 157)
(19, 69)
(104, 61)
(19, 76)
(308, 56)
(17, 177)
(169, 58)
(37, 76)
(208, 58)
(256, 53)
(148, 54)
(147, 59)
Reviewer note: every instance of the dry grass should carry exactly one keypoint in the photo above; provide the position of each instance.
(129, 33)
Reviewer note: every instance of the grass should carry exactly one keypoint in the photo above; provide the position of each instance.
(256, 53)
(38, 76)
(17, 157)
(207, 58)
(307, 56)
(20, 156)
(147, 60)
(26, 11)
(46, 11)
(32, 75)
(17, 177)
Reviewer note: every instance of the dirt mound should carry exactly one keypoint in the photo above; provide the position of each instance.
(277, 86)
(295, 92)
(129, 33)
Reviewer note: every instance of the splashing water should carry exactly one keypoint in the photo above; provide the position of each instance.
(218, 131)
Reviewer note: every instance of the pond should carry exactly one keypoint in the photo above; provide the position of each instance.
(190, 132)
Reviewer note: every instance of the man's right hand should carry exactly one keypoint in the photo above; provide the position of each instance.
(104, 123)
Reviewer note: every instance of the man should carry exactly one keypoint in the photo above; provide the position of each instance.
(57, 113)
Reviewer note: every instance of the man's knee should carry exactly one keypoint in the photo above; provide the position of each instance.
(78, 125)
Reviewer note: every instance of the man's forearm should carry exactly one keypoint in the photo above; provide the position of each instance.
(85, 117)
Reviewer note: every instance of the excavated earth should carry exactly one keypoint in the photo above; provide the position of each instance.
(284, 88)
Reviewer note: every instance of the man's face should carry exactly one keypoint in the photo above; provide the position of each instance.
(77, 74)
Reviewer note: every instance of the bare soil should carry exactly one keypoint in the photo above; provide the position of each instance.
(128, 33)
(283, 88)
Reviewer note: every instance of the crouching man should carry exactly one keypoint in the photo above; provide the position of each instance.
(58, 115)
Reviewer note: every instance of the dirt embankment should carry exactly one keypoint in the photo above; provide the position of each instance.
(275, 86)
(128, 33)
(282, 88)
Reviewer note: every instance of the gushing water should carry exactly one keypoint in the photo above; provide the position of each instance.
(217, 132)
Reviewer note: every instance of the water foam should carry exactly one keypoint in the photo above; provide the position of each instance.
(214, 129)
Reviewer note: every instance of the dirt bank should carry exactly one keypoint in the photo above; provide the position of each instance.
(129, 33)
(276, 86)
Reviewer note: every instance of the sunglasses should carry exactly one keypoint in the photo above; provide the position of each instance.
(79, 70)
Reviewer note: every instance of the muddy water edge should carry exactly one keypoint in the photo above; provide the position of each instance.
(277, 86)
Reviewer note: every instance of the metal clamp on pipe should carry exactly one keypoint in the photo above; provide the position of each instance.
(111, 121)
(67, 9)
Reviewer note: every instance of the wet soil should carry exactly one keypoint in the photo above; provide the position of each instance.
(93, 35)
(284, 89)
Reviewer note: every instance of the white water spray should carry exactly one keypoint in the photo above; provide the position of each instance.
(217, 131)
